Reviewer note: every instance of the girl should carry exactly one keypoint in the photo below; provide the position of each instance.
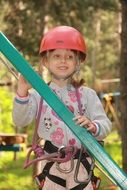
(62, 51)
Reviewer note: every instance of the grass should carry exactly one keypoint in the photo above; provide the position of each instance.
(113, 148)
(14, 177)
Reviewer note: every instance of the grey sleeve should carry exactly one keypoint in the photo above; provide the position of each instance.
(24, 111)
(98, 115)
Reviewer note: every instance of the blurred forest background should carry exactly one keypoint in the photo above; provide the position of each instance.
(104, 26)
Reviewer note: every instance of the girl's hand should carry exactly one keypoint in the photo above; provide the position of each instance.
(85, 122)
(23, 86)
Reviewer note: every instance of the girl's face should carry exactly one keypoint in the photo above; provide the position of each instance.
(61, 63)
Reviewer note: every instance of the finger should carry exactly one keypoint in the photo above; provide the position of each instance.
(84, 123)
(82, 120)
(77, 117)
(89, 128)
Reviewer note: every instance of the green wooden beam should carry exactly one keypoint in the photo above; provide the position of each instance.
(88, 141)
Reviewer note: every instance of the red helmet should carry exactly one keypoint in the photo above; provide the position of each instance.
(63, 37)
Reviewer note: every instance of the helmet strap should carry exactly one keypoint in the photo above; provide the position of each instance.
(77, 69)
(78, 66)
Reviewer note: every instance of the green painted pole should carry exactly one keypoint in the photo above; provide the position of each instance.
(88, 141)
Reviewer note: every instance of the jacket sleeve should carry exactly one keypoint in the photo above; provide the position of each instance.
(97, 115)
(24, 110)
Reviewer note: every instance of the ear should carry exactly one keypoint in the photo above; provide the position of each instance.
(46, 64)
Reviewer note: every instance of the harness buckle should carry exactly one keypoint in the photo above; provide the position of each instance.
(62, 152)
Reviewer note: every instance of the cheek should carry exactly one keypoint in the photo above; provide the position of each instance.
(51, 66)
(73, 66)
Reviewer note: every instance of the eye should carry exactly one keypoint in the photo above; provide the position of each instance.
(56, 56)
(70, 57)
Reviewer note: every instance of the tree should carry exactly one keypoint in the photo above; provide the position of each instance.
(24, 22)
(123, 83)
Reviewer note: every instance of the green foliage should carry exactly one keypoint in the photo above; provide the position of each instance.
(6, 111)
(24, 23)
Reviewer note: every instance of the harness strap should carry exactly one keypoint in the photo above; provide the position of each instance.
(79, 187)
(35, 135)
(53, 178)
(86, 164)
(59, 180)
(45, 173)
(50, 148)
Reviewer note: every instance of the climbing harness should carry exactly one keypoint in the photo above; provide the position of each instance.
(60, 155)
(81, 156)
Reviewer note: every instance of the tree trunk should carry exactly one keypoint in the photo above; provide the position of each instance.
(123, 82)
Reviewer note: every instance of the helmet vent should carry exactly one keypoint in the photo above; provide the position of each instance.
(59, 41)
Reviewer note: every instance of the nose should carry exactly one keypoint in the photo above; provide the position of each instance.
(63, 59)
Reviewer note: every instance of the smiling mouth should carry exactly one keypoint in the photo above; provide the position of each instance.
(62, 68)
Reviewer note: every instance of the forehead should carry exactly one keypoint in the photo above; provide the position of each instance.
(63, 51)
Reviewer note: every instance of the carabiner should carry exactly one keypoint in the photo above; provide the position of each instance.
(63, 155)
(86, 181)
(66, 170)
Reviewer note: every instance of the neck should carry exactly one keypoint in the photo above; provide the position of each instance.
(61, 82)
